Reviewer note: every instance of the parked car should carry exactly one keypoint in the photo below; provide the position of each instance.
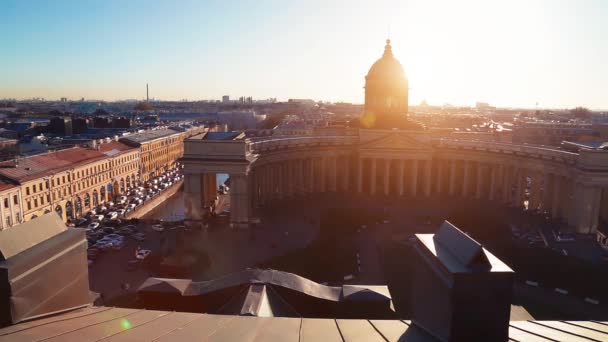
(118, 244)
(142, 254)
(94, 225)
(139, 236)
(108, 230)
(122, 199)
(158, 227)
(131, 206)
(113, 236)
(103, 245)
(112, 215)
(121, 212)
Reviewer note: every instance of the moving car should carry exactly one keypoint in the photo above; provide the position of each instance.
(142, 254)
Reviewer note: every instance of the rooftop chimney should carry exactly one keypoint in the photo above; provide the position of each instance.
(460, 291)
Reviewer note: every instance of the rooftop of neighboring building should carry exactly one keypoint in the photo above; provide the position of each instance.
(149, 135)
(219, 136)
(28, 168)
(114, 147)
(4, 185)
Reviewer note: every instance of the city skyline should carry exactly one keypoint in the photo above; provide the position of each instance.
(507, 54)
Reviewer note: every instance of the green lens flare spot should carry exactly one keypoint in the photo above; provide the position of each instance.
(125, 324)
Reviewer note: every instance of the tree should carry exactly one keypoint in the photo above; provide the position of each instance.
(581, 113)
(272, 121)
(143, 106)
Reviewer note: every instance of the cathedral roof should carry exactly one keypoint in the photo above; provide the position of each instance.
(387, 66)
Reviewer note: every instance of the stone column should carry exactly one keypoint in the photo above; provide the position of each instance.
(309, 175)
(373, 177)
(521, 188)
(452, 177)
(280, 180)
(387, 176)
(467, 175)
(427, 178)
(534, 191)
(360, 174)
(193, 188)
(587, 208)
(547, 192)
(345, 174)
(567, 198)
(479, 181)
(322, 178)
(239, 201)
(507, 184)
(439, 175)
(300, 178)
(414, 177)
(555, 196)
(333, 175)
(400, 175)
(493, 176)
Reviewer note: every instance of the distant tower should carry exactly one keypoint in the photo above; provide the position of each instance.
(147, 94)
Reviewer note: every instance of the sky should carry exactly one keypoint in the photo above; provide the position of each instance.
(550, 54)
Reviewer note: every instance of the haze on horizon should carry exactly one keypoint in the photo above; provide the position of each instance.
(507, 53)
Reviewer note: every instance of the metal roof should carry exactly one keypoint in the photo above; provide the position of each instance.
(119, 324)
(41, 165)
(150, 135)
(26, 235)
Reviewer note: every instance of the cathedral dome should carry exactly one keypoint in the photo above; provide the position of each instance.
(386, 95)
(387, 68)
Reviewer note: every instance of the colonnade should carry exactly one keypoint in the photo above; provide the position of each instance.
(502, 182)
(536, 179)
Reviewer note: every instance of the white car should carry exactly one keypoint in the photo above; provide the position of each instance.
(121, 212)
(158, 227)
(94, 225)
(112, 215)
(142, 254)
(122, 199)
(131, 206)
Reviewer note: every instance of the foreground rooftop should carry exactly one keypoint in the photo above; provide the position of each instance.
(120, 324)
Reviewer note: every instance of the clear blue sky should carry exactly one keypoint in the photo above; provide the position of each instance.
(508, 53)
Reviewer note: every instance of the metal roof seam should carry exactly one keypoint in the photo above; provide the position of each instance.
(55, 321)
(137, 326)
(339, 331)
(108, 320)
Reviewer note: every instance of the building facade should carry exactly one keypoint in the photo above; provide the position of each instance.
(392, 156)
(159, 150)
(11, 211)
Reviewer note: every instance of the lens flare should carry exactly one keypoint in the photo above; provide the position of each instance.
(125, 324)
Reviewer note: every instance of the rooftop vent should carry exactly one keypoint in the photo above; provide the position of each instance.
(473, 288)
